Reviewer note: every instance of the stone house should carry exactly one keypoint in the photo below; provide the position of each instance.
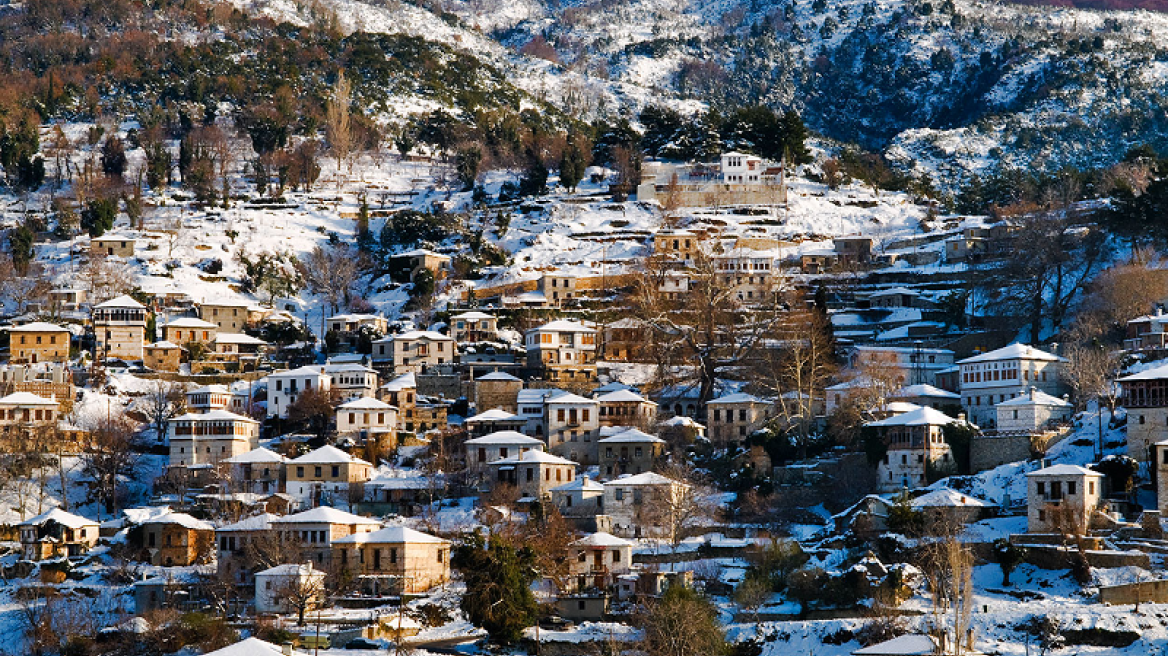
(413, 351)
(174, 540)
(1000, 375)
(162, 356)
(315, 531)
(366, 416)
(470, 327)
(395, 560)
(916, 445)
(120, 328)
(38, 342)
(234, 559)
(533, 473)
(598, 559)
(481, 451)
(112, 246)
(497, 390)
(273, 584)
(582, 497)
(230, 316)
(259, 471)
(646, 505)
(26, 408)
(735, 416)
(571, 424)
(1145, 397)
(210, 437)
(626, 408)
(562, 351)
(1061, 498)
(325, 476)
(493, 421)
(56, 533)
(1034, 411)
(629, 451)
(190, 329)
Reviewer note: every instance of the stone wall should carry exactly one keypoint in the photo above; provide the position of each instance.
(986, 452)
(1155, 592)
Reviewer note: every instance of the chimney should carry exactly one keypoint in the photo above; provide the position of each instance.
(1032, 391)
(960, 416)
(286, 648)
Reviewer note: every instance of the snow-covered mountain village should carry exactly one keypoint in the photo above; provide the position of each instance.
(625, 328)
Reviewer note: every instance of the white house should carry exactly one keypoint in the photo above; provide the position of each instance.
(571, 423)
(599, 559)
(274, 584)
(366, 415)
(991, 378)
(645, 505)
(325, 475)
(210, 437)
(564, 350)
(1061, 498)
(285, 386)
(498, 445)
(413, 351)
(351, 380)
(741, 168)
(1032, 411)
(474, 327)
(916, 443)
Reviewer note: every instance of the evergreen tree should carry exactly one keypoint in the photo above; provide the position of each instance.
(98, 215)
(572, 165)
(113, 157)
(466, 163)
(662, 126)
(794, 134)
(534, 180)
(20, 243)
(498, 577)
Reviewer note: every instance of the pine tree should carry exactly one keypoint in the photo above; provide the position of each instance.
(572, 165)
(498, 577)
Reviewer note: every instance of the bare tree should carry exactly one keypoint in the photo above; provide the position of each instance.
(302, 590)
(331, 272)
(164, 400)
(110, 456)
(798, 371)
(337, 122)
(105, 278)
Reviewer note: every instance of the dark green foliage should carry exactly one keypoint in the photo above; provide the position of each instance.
(498, 577)
(534, 180)
(19, 144)
(157, 165)
(113, 157)
(902, 518)
(610, 137)
(20, 245)
(1008, 556)
(98, 215)
(1120, 472)
(411, 227)
(573, 163)
(466, 164)
(662, 125)
(960, 437)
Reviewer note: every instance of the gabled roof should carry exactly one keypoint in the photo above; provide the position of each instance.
(602, 539)
(738, 398)
(563, 326)
(292, 569)
(499, 375)
(947, 498)
(1036, 397)
(327, 454)
(392, 535)
(256, 455)
(647, 478)
(190, 322)
(310, 370)
(505, 437)
(260, 522)
(918, 417)
(365, 403)
(38, 327)
(1155, 373)
(1064, 470)
(418, 334)
(403, 381)
(182, 519)
(26, 398)
(326, 515)
(922, 390)
(622, 396)
(163, 344)
(249, 647)
(906, 645)
(584, 483)
(214, 415)
(1013, 352)
(61, 517)
(631, 435)
(473, 316)
(534, 456)
(238, 338)
(494, 414)
(568, 397)
(123, 301)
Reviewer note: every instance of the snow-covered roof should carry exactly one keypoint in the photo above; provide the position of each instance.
(623, 396)
(190, 322)
(568, 397)
(499, 375)
(897, 407)
(681, 420)
(403, 381)
(123, 301)
(894, 291)
(947, 498)
(38, 327)
(1036, 397)
(210, 389)
(631, 435)
(249, 647)
(365, 403)
(602, 539)
(915, 644)
(526, 396)
(505, 437)
(164, 344)
(534, 456)
(413, 335)
(1155, 373)
(342, 367)
(647, 478)
(563, 326)
(261, 522)
(326, 515)
(238, 338)
(214, 415)
(291, 569)
(61, 517)
(327, 454)
(584, 483)
(25, 398)
(494, 414)
(472, 316)
(182, 519)
(392, 535)
(1013, 352)
(1064, 470)
(256, 455)
(918, 417)
(355, 317)
(310, 370)
(739, 397)
(922, 390)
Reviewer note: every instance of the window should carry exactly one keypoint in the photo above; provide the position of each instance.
(299, 472)
(336, 471)
(1071, 486)
(316, 471)
(1041, 488)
